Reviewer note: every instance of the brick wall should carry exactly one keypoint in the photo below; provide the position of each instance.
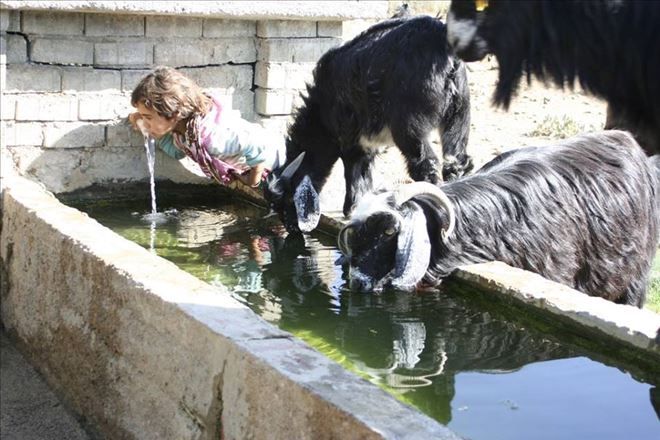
(67, 79)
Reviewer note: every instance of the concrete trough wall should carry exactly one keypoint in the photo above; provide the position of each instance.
(141, 349)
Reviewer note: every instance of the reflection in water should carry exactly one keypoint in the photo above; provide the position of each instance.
(418, 346)
(407, 346)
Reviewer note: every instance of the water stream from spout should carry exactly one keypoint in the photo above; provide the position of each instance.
(150, 149)
(154, 217)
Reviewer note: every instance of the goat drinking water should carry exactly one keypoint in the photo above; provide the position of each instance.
(394, 83)
(583, 213)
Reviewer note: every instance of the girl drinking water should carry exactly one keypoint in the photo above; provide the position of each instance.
(186, 121)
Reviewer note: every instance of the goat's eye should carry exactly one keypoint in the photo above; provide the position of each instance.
(390, 231)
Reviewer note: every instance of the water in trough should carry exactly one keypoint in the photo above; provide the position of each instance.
(486, 372)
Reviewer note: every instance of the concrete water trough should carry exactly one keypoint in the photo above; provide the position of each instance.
(140, 349)
(135, 346)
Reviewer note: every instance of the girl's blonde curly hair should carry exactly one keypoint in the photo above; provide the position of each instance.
(171, 94)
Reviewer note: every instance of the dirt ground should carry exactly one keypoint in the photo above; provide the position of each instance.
(538, 115)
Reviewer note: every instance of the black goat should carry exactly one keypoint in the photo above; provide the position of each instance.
(611, 46)
(583, 213)
(395, 82)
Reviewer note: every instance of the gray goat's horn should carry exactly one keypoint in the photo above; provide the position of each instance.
(292, 167)
(270, 214)
(407, 192)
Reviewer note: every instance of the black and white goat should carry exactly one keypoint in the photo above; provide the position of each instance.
(611, 46)
(394, 83)
(583, 213)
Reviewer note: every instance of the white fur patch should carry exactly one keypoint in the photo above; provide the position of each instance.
(370, 204)
(434, 136)
(306, 200)
(377, 141)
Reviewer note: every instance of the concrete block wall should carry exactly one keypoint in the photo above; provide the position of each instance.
(67, 77)
(287, 52)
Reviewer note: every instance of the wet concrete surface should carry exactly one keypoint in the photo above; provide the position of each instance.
(29, 409)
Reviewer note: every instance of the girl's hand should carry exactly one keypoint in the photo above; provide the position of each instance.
(256, 172)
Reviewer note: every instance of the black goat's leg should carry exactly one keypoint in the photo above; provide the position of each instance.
(358, 168)
(454, 132)
(423, 164)
(646, 135)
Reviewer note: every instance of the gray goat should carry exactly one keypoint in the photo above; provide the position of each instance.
(583, 213)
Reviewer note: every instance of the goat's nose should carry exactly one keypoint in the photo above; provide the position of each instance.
(360, 284)
(355, 284)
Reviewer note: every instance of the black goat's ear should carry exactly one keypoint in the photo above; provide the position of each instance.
(273, 186)
(306, 200)
(291, 169)
(413, 250)
(276, 183)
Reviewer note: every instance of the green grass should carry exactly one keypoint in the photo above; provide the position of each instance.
(653, 296)
(557, 127)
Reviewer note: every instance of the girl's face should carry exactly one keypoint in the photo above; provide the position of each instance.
(156, 125)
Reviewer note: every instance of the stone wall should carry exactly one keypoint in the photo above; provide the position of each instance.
(67, 75)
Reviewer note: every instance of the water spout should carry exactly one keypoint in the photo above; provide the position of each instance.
(150, 149)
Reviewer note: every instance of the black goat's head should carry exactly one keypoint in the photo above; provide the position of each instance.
(387, 241)
(465, 29)
(296, 202)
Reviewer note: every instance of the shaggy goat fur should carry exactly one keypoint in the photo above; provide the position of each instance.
(611, 46)
(394, 82)
(583, 213)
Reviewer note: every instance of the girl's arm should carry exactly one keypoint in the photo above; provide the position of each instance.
(254, 178)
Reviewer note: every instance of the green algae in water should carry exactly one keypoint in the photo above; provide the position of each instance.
(483, 373)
